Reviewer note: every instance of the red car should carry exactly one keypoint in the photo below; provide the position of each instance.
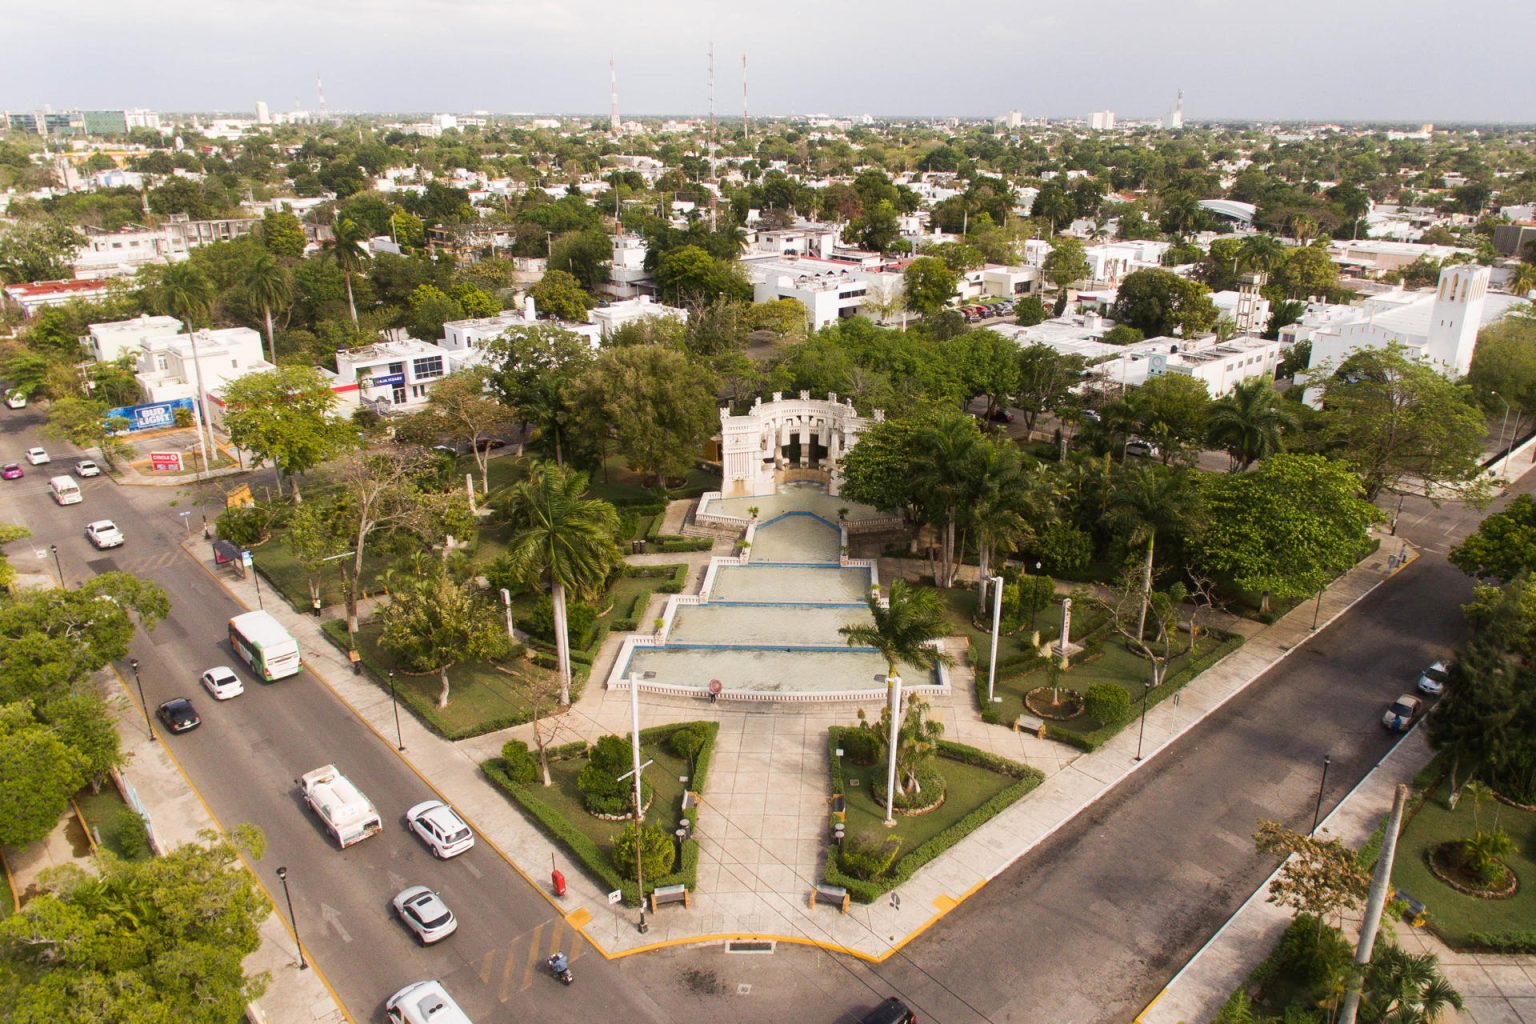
(10, 471)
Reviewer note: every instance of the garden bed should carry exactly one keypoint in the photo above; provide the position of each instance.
(114, 824)
(558, 809)
(978, 786)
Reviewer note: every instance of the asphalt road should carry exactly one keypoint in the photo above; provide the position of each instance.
(1086, 928)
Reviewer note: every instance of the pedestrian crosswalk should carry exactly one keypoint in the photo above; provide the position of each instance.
(518, 966)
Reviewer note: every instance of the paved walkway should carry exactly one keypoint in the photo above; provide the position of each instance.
(759, 857)
(153, 779)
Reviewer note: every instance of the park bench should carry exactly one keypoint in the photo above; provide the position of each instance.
(834, 895)
(1029, 723)
(664, 894)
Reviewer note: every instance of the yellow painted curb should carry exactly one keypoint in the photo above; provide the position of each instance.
(1148, 1008)
(579, 918)
(315, 966)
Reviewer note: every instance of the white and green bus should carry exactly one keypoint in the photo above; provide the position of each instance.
(265, 645)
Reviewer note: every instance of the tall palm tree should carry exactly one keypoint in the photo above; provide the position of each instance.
(1008, 508)
(270, 286)
(1250, 422)
(563, 539)
(1261, 253)
(346, 245)
(1523, 282)
(947, 477)
(1148, 501)
(186, 293)
(1303, 227)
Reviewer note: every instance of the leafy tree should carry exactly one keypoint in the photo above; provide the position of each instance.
(562, 539)
(785, 318)
(534, 369)
(162, 939)
(1158, 302)
(38, 251)
(657, 852)
(428, 307)
(692, 274)
(1307, 271)
(1046, 379)
(283, 234)
(989, 364)
(433, 623)
(1319, 878)
(1504, 367)
(461, 406)
(1066, 263)
(1107, 703)
(1030, 311)
(560, 295)
(474, 302)
(1171, 410)
(1504, 544)
(1123, 334)
(929, 284)
(1286, 529)
(84, 422)
(656, 405)
(716, 329)
(1393, 416)
(85, 724)
(38, 774)
(1250, 422)
(584, 255)
(284, 416)
(316, 536)
(9, 533)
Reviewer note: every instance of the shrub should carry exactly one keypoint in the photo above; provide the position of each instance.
(127, 835)
(1064, 550)
(601, 790)
(861, 745)
(580, 618)
(1107, 703)
(1483, 852)
(656, 851)
(686, 742)
(1029, 311)
(246, 525)
(522, 767)
(869, 858)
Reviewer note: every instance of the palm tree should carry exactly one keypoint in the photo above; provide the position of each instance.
(1303, 227)
(1261, 253)
(347, 238)
(1148, 501)
(186, 293)
(947, 477)
(564, 539)
(1523, 281)
(1250, 422)
(1406, 988)
(1007, 509)
(270, 285)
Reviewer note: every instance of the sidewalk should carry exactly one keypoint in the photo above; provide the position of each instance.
(154, 784)
(759, 859)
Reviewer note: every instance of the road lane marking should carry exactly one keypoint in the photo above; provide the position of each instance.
(511, 965)
(330, 916)
(485, 967)
(531, 960)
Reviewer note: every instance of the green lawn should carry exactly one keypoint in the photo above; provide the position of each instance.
(113, 823)
(279, 568)
(1455, 917)
(966, 787)
(620, 483)
(483, 697)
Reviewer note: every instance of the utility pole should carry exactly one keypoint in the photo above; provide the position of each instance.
(893, 688)
(1374, 905)
(200, 407)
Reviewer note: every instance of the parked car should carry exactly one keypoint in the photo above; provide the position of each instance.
(424, 1002)
(425, 914)
(892, 1011)
(103, 534)
(222, 683)
(37, 456)
(440, 828)
(1146, 449)
(15, 400)
(178, 715)
(1400, 714)
(1001, 415)
(486, 444)
(85, 467)
(1432, 679)
(10, 471)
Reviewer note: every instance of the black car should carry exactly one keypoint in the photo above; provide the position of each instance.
(486, 444)
(892, 1011)
(178, 715)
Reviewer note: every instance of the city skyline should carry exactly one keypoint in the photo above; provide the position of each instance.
(1234, 62)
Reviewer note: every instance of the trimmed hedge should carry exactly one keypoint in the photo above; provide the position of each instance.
(335, 631)
(867, 892)
(1506, 942)
(579, 844)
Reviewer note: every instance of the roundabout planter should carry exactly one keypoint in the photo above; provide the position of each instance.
(1444, 862)
(1068, 705)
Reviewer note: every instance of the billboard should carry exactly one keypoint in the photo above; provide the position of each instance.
(389, 380)
(165, 462)
(153, 416)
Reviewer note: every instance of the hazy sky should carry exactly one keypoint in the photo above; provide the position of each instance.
(1434, 60)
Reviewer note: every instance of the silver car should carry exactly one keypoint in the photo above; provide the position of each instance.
(425, 913)
(440, 828)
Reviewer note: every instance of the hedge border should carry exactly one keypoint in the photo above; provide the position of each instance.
(335, 631)
(579, 844)
(1026, 779)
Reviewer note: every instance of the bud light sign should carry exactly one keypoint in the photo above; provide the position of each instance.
(153, 416)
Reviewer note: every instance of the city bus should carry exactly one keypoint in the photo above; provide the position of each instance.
(265, 645)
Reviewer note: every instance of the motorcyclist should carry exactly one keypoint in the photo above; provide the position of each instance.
(560, 963)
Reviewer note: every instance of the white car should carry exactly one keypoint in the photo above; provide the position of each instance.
(425, 913)
(85, 467)
(15, 400)
(222, 683)
(37, 456)
(103, 533)
(440, 828)
(424, 1002)
(1432, 679)
(1401, 713)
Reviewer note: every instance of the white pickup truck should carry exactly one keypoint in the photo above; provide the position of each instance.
(350, 816)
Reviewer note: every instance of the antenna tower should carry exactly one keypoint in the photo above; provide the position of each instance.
(613, 97)
(712, 194)
(320, 92)
(743, 97)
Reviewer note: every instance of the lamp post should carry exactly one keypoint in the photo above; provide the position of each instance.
(58, 566)
(1317, 608)
(149, 726)
(1146, 693)
(893, 687)
(997, 616)
(1317, 809)
(506, 603)
(1504, 467)
(399, 740)
(282, 876)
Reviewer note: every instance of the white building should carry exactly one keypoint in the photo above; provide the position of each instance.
(627, 276)
(829, 290)
(168, 365)
(1376, 256)
(611, 317)
(1439, 326)
(109, 342)
(803, 238)
(753, 446)
(263, 115)
(1222, 366)
(389, 376)
(1110, 263)
(465, 338)
(1102, 120)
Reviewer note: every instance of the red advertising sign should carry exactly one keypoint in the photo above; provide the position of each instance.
(165, 462)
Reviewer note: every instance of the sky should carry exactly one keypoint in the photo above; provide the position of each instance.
(1330, 60)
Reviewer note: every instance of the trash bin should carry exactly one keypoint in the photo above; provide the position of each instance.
(637, 547)
(558, 881)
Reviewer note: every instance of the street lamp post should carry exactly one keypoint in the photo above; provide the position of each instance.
(1146, 693)
(1317, 608)
(1504, 467)
(149, 726)
(1317, 809)
(997, 616)
(58, 566)
(399, 740)
(506, 603)
(282, 876)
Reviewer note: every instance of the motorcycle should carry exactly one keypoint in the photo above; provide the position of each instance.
(560, 967)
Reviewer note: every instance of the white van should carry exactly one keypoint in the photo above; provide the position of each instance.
(65, 491)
